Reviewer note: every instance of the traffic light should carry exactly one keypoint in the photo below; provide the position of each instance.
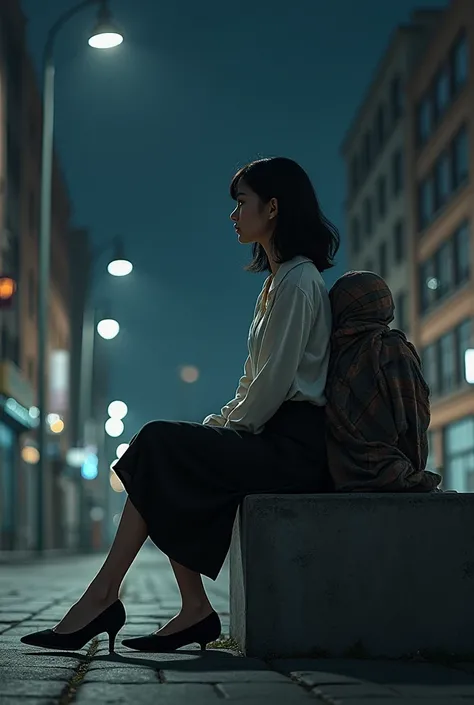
(7, 291)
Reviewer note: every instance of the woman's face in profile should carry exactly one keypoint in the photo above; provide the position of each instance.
(250, 217)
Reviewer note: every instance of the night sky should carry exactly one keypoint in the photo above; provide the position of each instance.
(149, 136)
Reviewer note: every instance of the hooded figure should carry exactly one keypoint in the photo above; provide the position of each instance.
(377, 400)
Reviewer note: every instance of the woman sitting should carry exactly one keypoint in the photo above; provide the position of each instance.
(377, 409)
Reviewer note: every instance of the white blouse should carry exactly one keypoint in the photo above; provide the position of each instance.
(288, 349)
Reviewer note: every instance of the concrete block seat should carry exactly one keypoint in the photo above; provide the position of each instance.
(353, 575)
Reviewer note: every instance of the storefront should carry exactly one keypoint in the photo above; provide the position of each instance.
(17, 417)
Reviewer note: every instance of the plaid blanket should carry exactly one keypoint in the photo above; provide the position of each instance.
(377, 409)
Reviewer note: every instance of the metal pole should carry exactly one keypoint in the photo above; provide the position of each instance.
(85, 401)
(43, 285)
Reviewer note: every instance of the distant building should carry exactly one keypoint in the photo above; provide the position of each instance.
(440, 188)
(20, 154)
(410, 207)
(375, 153)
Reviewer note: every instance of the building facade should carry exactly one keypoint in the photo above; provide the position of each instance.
(374, 150)
(20, 166)
(440, 155)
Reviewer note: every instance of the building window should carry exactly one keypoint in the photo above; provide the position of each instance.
(425, 202)
(444, 269)
(31, 294)
(367, 151)
(443, 180)
(428, 284)
(459, 455)
(460, 63)
(401, 312)
(355, 235)
(424, 119)
(429, 359)
(431, 460)
(462, 254)
(380, 128)
(396, 98)
(463, 343)
(447, 270)
(450, 79)
(450, 173)
(447, 363)
(442, 92)
(382, 196)
(368, 218)
(399, 242)
(397, 172)
(460, 155)
(383, 259)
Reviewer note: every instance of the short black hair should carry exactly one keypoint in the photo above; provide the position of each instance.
(301, 227)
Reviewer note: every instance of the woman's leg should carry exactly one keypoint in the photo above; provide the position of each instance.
(105, 587)
(195, 603)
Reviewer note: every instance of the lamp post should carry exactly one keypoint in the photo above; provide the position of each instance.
(108, 329)
(104, 36)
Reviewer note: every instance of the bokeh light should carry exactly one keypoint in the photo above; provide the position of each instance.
(114, 427)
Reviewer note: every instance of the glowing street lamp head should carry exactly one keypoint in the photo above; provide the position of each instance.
(119, 267)
(114, 427)
(117, 410)
(105, 34)
(108, 328)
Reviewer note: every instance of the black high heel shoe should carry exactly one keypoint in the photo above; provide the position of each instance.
(110, 620)
(205, 631)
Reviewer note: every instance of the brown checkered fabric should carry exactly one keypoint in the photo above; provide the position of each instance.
(377, 400)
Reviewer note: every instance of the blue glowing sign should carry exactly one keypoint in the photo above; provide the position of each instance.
(89, 469)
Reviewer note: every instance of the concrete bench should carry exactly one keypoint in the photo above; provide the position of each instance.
(361, 575)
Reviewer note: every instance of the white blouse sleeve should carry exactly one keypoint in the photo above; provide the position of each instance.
(244, 382)
(287, 326)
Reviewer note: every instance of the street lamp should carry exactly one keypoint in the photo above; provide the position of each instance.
(108, 328)
(105, 35)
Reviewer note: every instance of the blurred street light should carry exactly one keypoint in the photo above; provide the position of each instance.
(119, 267)
(116, 483)
(114, 427)
(105, 35)
(108, 328)
(30, 455)
(121, 450)
(117, 410)
(189, 374)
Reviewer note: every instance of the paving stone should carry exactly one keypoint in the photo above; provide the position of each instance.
(146, 694)
(40, 689)
(315, 678)
(31, 673)
(28, 700)
(14, 617)
(122, 675)
(436, 691)
(392, 701)
(382, 672)
(273, 693)
(354, 690)
(238, 672)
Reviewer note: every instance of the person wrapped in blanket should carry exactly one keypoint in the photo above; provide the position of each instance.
(378, 411)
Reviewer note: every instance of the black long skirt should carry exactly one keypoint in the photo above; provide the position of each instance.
(187, 480)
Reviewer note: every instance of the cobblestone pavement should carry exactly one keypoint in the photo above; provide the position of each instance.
(36, 595)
